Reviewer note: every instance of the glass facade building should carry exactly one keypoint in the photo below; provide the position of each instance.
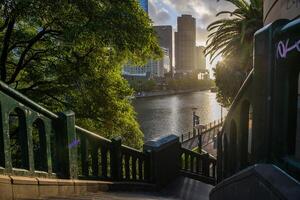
(144, 4)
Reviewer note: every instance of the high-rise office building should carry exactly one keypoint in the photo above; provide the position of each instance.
(154, 68)
(144, 4)
(164, 63)
(185, 44)
(165, 39)
(200, 59)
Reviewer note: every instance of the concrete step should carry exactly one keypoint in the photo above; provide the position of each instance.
(180, 189)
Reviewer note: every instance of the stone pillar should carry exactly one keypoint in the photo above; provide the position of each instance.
(66, 154)
(165, 159)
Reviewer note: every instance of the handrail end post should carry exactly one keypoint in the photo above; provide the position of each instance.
(66, 153)
(116, 158)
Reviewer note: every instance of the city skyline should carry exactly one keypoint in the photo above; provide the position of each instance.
(165, 12)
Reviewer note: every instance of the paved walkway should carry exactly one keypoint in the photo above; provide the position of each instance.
(180, 189)
(207, 141)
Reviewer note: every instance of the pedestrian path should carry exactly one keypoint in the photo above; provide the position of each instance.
(208, 141)
(180, 189)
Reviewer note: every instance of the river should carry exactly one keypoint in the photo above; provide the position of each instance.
(173, 114)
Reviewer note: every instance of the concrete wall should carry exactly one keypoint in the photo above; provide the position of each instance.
(281, 9)
(258, 182)
(272, 90)
(298, 122)
(14, 187)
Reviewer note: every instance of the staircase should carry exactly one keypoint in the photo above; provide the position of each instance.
(74, 161)
(94, 167)
(181, 188)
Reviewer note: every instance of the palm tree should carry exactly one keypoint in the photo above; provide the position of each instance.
(232, 37)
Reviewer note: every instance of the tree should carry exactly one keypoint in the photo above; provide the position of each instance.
(229, 78)
(232, 38)
(67, 54)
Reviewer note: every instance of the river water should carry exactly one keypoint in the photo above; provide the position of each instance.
(173, 114)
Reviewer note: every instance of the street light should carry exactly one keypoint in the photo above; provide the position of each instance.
(221, 113)
(195, 117)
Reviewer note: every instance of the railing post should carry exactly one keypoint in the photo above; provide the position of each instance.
(206, 165)
(200, 142)
(66, 154)
(164, 159)
(116, 163)
(6, 155)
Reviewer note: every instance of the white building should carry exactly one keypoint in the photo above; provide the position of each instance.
(155, 68)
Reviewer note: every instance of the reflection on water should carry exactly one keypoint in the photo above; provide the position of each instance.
(173, 114)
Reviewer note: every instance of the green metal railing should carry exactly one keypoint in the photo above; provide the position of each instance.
(100, 158)
(38, 143)
(210, 129)
(25, 134)
(201, 167)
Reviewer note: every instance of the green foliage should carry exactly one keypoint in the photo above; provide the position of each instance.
(67, 54)
(188, 83)
(229, 78)
(143, 85)
(232, 38)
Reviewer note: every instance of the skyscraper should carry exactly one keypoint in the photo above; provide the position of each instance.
(200, 59)
(144, 4)
(165, 39)
(185, 44)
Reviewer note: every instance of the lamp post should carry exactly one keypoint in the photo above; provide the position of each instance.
(196, 118)
(196, 125)
(221, 113)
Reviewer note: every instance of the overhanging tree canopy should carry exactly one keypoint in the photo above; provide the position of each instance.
(67, 54)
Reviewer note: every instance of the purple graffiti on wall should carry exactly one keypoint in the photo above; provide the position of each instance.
(74, 144)
(283, 48)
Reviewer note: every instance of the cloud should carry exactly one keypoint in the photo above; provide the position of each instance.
(166, 11)
(159, 15)
(201, 36)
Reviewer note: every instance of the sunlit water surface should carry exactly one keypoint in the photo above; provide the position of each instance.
(173, 114)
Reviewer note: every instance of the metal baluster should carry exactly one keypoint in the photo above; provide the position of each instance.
(133, 167)
(192, 163)
(140, 169)
(186, 157)
(84, 156)
(127, 167)
(197, 165)
(206, 165)
(104, 161)
(95, 162)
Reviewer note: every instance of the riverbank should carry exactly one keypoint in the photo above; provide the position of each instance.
(166, 93)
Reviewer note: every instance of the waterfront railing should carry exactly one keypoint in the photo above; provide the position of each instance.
(38, 143)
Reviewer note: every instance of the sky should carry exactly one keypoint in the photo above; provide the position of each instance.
(165, 12)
